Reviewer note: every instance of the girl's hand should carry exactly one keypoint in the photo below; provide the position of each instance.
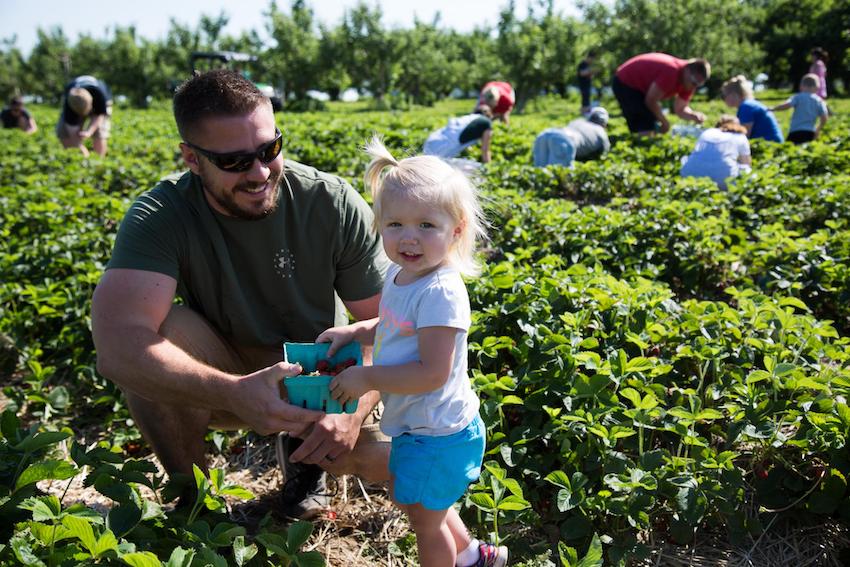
(338, 337)
(350, 384)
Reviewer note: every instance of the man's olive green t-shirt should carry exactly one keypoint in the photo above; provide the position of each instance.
(259, 282)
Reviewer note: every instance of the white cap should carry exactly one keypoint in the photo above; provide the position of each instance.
(598, 115)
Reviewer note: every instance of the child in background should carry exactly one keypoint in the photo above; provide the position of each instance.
(818, 67)
(759, 122)
(429, 219)
(810, 111)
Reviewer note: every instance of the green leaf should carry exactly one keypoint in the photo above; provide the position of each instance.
(243, 553)
(274, 543)
(41, 440)
(794, 302)
(593, 557)
(24, 553)
(43, 508)
(143, 559)
(639, 364)
(82, 530)
(106, 542)
(9, 424)
(310, 559)
(483, 500)
(567, 554)
(513, 503)
(237, 492)
(181, 557)
(46, 470)
(123, 518)
(559, 478)
(297, 534)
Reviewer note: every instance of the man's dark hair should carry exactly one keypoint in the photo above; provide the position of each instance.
(220, 92)
(16, 101)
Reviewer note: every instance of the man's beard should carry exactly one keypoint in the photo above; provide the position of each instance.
(226, 200)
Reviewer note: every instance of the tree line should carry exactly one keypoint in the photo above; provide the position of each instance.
(537, 51)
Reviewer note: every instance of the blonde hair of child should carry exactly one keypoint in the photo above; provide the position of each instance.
(430, 180)
(810, 81)
(738, 85)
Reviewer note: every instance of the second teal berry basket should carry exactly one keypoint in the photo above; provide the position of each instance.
(312, 392)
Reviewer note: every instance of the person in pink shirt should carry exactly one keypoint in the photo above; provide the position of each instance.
(818, 67)
(500, 97)
(642, 82)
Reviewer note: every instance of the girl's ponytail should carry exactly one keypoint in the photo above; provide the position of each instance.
(381, 159)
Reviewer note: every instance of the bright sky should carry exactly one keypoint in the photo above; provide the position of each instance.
(22, 18)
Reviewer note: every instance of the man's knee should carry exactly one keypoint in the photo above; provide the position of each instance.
(369, 459)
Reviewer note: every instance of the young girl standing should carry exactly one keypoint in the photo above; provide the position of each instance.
(429, 218)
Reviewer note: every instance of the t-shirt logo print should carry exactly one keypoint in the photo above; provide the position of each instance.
(284, 263)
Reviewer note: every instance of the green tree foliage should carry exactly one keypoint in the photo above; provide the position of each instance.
(538, 52)
(333, 78)
(12, 65)
(793, 28)
(371, 51)
(295, 58)
(49, 64)
(718, 30)
(425, 73)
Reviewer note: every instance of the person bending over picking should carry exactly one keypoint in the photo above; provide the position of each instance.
(429, 218)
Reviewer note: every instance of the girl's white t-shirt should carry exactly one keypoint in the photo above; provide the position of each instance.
(436, 300)
(716, 156)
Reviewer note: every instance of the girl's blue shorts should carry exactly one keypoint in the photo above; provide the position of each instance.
(436, 471)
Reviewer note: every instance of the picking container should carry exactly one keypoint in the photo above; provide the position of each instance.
(312, 392)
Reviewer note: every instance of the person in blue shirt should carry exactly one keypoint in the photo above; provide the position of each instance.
(810, 111)
(759, 121)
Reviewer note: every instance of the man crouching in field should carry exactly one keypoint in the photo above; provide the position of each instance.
(260, 252)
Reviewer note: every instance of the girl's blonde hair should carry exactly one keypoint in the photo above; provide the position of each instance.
(738, 85)
(430, 180)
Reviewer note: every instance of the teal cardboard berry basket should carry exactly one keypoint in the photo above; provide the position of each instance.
(312, 392)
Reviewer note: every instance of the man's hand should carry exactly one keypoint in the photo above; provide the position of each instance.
(350, 384)
(698, 117)
(85, 134)
(331, 436)
(256, 400)
(664, 126)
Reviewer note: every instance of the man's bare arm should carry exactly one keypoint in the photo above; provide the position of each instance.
(128, 309)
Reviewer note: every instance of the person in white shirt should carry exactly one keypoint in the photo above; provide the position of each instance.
(429, 218)
(721, 152)
(460, 133)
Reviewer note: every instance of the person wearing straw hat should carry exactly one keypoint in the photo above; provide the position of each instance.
(86, 113)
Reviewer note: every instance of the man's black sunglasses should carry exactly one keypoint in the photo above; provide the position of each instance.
(238, 162)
